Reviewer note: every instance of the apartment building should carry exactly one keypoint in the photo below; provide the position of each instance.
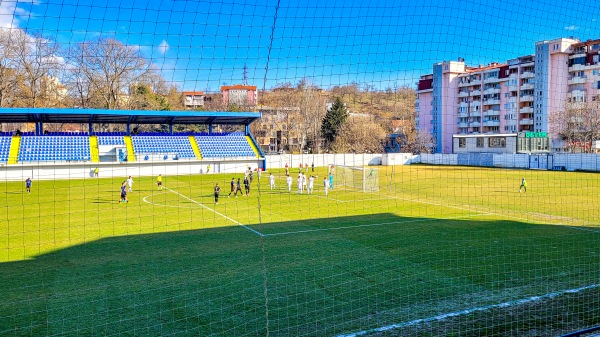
(240, 95)
(193, 99)
(509, 98)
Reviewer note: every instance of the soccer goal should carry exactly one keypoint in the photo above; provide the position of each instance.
(365, 179)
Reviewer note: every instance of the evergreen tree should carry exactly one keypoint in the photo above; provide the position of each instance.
(333, 121)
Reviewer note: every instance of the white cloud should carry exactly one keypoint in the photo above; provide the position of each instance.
(8, 10)
(163, 47)
(571, 27)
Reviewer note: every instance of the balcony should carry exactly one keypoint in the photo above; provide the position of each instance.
(463, 115)
(512, 99)
(526, 110)
(580, 53)
(463, 125)
(576, 67)
(527, 86)
(475, 103)
(491, 91)
(491, 101)
(476, 93)
(577, 80)
(527, 98)
(475, 124)
(526, 121)
(527, 74)
(491, 123)
(491, 113)
(577, 93)
(463, 94)
(475, 114)
(494, 80)
(463, 104)
(468, 83)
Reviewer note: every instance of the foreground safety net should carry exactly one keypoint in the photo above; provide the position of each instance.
(121, 121)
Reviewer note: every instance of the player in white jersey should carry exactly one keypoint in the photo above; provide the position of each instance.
(299, 181)
(304, 182)
(130, 183)
(311, 184)
(272, 181)
(288, 180)
(326, 185)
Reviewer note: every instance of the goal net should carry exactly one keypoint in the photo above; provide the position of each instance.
(365, 179)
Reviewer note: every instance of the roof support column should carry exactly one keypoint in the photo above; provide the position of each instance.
(210, 128)
(171, 129)
(247, 129)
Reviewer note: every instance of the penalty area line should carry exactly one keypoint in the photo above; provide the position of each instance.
(216, 212)
(373, 225)
(508, 304)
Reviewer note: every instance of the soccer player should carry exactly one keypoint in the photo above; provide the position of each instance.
(300, 183)
(123, 192)
(217, 191)
(272, 180)
(238, 188)
(311, 184)
(208, 168)
(304, 180)
(523, 185)
(326, 185)
(251, 176)
(96, 171)
(312, 166)
(159, 182)
(130, 183)
(232, 188)
(289, 183)
(28, 185)
(300, 168)
(287, 169)
(331, 179)
(247, 186)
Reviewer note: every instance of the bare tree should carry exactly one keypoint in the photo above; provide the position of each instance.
(110, 68)
(577, 124)
(360, 134)
(39, 63)
(8, 69)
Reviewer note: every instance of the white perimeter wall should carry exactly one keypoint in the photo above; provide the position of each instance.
(347, 159)
(42, 171)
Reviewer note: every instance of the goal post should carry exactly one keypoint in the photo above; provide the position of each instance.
(360, 178)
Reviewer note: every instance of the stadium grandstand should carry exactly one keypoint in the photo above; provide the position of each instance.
(106, 148)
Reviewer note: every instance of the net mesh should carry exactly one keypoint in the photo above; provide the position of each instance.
(134, 134)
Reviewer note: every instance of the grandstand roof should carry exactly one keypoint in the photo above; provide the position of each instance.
(46, 115)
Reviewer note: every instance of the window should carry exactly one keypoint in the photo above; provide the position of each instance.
(480, 142)
(497, 142)
(462, 142)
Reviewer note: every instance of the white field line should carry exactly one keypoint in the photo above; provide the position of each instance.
(372, 225)
(498, 214)
(217, 213)
(161, 205)
(470, 311)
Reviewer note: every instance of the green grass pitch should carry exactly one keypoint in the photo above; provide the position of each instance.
(433, 241)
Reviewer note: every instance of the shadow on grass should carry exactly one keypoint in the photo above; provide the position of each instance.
(322, 279)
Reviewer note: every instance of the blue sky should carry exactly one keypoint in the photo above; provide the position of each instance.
(201, 45)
